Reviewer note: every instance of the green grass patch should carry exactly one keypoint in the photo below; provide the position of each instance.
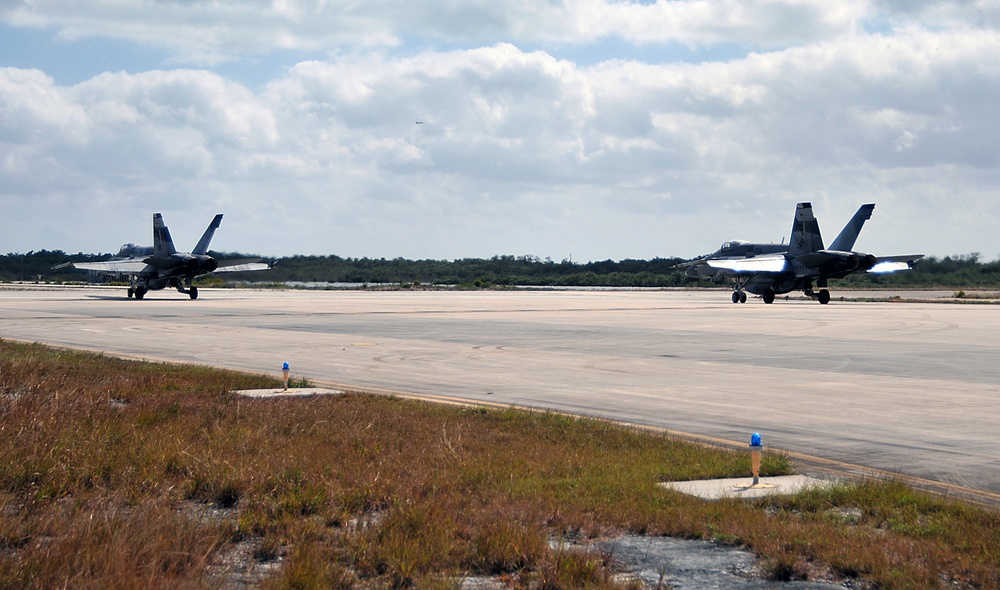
(126, 474)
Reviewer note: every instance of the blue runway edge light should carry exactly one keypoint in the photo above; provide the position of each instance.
(755, 440)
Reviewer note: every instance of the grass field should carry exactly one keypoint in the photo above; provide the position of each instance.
(125, 474)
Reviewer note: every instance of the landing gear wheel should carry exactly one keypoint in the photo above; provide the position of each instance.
(743, 297)
(193, 292)
(824, 296)
(140, 292)
(736, 297)
(131, 292)
(768, 296)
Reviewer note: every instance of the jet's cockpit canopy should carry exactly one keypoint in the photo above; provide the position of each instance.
(732, 245)
(130, 250)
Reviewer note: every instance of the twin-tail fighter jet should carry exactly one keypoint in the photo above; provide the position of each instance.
(738, 249)
(160, 266)
(772, 269)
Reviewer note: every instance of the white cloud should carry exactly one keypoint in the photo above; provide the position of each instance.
(32, 109)
(210, 32)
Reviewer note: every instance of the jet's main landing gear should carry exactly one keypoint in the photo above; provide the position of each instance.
(191, 291)
(768, 296)
(823, 296)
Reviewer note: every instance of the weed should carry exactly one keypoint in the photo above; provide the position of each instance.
(300, 383)
(363, 490)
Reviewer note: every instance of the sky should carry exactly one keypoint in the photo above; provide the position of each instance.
(447, 129)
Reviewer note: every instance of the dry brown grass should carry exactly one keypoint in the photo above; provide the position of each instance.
(128, 474)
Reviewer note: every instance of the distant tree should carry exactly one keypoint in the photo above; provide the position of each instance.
(960, 271)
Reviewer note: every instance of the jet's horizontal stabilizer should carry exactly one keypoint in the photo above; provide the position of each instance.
(886, 264)
(242, 265)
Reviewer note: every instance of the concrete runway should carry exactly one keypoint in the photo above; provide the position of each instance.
(910, 388)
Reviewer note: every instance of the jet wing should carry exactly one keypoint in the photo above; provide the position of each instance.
(113, 266)
(885, 264)
(753, 265)
(242, 265)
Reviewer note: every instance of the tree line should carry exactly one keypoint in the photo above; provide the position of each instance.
(962, 271)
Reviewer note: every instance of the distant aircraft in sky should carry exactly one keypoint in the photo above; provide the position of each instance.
(771, 269)
(160, 266)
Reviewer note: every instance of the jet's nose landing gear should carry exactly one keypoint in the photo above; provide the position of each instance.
(739, 295)
(193, 292)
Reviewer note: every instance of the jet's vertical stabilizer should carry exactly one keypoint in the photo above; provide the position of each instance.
(805, 237)
(206, 238)
(163, 244)
(849, 235)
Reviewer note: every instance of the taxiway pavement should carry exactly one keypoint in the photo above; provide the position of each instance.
(909, 388)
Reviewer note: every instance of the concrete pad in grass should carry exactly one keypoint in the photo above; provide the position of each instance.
(715, 489)
(292, 392)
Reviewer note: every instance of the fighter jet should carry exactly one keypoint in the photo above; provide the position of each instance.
(738, 249)
(157, 267)
(798, 265)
